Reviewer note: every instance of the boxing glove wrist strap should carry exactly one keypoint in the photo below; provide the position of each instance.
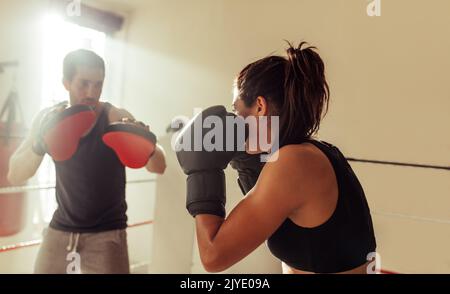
(206, 193)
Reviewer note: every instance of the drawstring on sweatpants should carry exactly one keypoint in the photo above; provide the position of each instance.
(69, 246)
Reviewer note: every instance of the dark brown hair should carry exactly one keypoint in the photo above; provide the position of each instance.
(81, 57)
(294, 86)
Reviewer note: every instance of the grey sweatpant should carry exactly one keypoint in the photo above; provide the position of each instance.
(86, 253)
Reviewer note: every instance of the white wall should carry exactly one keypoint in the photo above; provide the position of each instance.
(20, 40)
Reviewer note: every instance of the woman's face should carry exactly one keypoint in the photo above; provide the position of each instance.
(259, 139)
(239, 107)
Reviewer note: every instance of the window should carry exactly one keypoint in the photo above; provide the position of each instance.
(59, 37)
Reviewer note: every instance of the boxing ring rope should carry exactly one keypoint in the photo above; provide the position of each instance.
(412, 217)
(18, 189)
(404, 164)
(6, 64)
(49, 186)
(397, 215)
(33, 243)
(19, 245)
(37, 242)
(416, 165)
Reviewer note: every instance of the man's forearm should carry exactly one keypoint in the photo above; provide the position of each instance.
(157, 163)
(23, 164)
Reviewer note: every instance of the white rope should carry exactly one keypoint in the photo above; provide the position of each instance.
(50, 186)
(412, 217)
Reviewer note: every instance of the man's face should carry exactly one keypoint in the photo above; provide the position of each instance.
(86, 86)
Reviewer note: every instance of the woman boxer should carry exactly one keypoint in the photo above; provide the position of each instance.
(307, 202)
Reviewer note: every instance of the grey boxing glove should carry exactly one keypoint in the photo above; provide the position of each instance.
(38, 145)
(249, 167)
(204, 166)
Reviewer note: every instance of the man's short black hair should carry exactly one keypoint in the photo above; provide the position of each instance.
(81, 57)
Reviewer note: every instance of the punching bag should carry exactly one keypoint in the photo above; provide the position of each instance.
(12, 132)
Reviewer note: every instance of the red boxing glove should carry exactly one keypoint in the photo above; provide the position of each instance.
(63, 131)
(133, 144)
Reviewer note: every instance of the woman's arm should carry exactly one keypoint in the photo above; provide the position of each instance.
(224, 242)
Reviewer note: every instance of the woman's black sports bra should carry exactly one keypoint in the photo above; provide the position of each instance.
(341, 243)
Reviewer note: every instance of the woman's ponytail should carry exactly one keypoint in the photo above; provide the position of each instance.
(306, 92)
(294, 86)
